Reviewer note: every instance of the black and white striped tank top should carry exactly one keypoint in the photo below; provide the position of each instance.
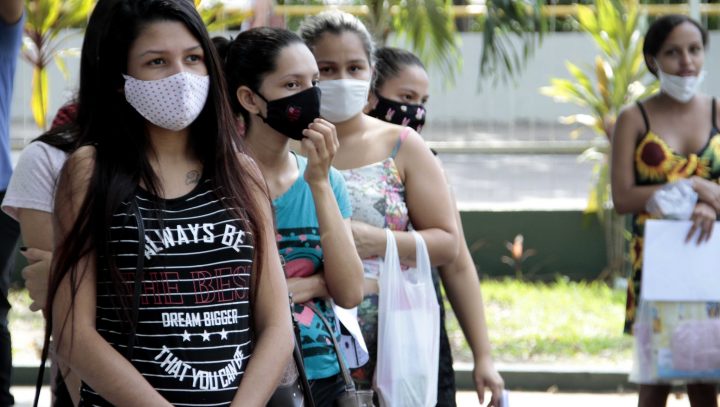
(193, 339)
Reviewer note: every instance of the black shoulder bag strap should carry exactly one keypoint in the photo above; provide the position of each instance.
(139, 273)
(298, 357)
(349, 384)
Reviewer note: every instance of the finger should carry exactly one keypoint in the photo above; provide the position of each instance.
(318, 141)
(34, 254)
(691, 233)
(329, 134)
(707, 230)
(34, 307)
(702, 230)
(497, 392)
(711, 227)
(34, 271)
(480, 389)
(308, 148)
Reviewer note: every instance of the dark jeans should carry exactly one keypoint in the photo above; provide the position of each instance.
(9, 233)
(326, 391)
(446, 374)
(62, 396)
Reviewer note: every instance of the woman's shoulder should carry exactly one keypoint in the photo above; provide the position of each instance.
(80, 164)
(83, 155)
(40, 154)
(391, 135)
(633, 118)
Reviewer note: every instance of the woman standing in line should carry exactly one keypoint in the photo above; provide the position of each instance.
(669, 137)
(165, 287)
(272, 78)
(391, 175)
(399, 91)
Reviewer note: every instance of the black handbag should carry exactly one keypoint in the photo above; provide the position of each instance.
(351, 397)
(294, 389)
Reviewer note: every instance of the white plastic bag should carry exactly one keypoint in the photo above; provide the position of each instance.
(675, 200)
(409, 330)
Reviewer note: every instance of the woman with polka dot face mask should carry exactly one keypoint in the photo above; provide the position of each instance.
(391, 175)
(164, 241)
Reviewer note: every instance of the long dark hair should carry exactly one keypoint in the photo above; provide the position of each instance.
(250, 57)
(118, 133)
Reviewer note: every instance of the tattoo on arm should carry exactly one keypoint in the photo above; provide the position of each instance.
(192, 177)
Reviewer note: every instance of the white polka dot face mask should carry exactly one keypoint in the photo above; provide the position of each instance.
(172, 103)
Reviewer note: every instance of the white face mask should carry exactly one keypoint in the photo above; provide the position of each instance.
(172, 103)
(680, 88)
(342, 99)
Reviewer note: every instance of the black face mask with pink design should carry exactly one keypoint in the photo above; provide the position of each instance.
(403, 114)
(293, 114)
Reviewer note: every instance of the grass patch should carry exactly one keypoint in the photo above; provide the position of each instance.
(560, 322)
(563, 321)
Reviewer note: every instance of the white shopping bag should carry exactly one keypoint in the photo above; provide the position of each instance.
(409, 330)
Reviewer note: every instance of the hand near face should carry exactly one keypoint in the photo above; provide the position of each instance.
(319, 145)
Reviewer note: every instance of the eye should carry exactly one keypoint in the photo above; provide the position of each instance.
(292, 85)
(156, 61)
(315, 82)
(195, 58)
(326, 70)
(355, 68)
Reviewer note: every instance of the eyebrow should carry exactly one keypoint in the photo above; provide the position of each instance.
(353, 61)
(408, 90)
(152, 51)
(299, 75)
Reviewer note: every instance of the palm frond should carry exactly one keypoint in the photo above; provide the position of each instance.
(509, 23)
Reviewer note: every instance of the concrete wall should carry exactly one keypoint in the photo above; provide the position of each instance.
(469, 100)
(565, 243)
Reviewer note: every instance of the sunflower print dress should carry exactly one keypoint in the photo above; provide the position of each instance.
(653, 323)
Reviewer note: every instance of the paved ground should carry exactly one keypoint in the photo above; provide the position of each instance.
(24, 397)
(495, 177)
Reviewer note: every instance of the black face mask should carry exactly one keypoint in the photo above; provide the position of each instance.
(291, 115)
(403, 114)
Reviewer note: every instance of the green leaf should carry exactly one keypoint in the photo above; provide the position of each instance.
(45, 21)
(506, 21)
(51, 10)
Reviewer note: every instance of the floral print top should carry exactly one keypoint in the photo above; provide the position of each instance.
(656, 163)
(377, 195)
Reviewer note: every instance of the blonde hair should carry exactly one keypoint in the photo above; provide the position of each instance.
(336, 22)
